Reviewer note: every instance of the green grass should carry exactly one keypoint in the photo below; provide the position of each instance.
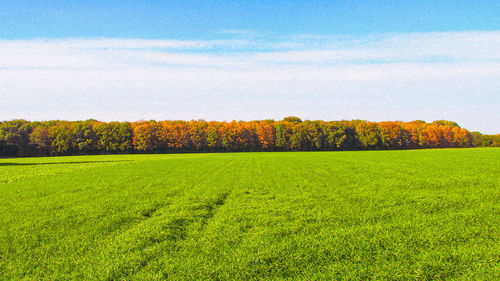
(388, 215)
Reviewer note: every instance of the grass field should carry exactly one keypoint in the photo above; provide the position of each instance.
(421, 214)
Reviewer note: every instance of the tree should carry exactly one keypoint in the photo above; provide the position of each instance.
(213, 138)
(180, 136)
(197, 135)
(478, 139)
(144, 136)
(298, 139)
(292, 119)
(413, 132)
(40, 138)
(85, 137)
(369, 134)
(265, 134)
(16, 133)
(123, 136)
(341, 136)
(461, 137)
(431, 136)
(61, 138)
(446, 123)
(393, 135)
(316, 135)
(245, 137)
(114, 136)
(226, 138)
(283, 132)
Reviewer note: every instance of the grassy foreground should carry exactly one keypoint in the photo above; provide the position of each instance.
(422, 214)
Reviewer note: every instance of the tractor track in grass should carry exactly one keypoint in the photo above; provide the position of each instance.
(167, 233)
(211, 208)
(172, 232)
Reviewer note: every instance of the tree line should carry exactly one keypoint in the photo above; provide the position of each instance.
(51, 138)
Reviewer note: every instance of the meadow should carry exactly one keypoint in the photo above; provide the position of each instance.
(359, 215)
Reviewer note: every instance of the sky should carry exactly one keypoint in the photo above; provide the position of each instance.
(251, 60)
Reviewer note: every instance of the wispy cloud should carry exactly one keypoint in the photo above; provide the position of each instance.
(239, 32)
(415, 47)
(378, 77)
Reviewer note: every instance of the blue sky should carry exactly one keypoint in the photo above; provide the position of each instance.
(207, 19)
(243, 60)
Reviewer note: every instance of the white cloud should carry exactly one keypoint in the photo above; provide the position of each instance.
(380, 77)
(238, 32)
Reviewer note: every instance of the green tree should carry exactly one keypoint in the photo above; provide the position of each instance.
(340, 136)
(369, 134)
(114, 136)
(292, 119)
(85, 137)
(61, 138)
(446, 123)
(213, 140)
(16, 133)
(280, 136)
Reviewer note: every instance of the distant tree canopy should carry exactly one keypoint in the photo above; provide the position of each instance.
(480, 140)
(24, 138)
(292, 119)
